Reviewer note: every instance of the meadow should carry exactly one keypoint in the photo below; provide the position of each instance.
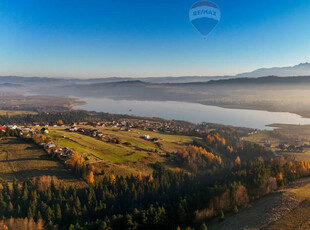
(131, 156)
(21, 160)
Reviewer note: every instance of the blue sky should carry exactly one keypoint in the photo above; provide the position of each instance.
(103, 38)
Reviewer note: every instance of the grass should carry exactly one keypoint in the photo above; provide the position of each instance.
(15, 113)
(118, 153)
(121, 159)
(114, 153)
(261, 136)
(298, 218)
(305, 156)
(169, 142)
(22, 160)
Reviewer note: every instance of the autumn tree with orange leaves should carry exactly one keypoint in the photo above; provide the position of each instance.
(194, 157)
(91, 178)
(238, 160)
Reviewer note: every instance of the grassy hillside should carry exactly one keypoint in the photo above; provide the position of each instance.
(132, 155)
(22, 160)
(297, 218)
(99, 149)
(286, 209)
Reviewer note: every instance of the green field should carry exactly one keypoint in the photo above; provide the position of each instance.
(22, 160)
(169, 142)
(132, 155)
(102, 150)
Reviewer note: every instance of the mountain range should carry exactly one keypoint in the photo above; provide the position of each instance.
(302, 69)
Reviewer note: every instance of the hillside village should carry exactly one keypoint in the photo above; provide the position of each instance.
(41, 134)
(279, 146)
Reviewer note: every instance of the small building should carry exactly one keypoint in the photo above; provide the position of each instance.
(146, 137)
(72, 129)
(155, 139)
(50, 146)
(267, 143)
(44, 131)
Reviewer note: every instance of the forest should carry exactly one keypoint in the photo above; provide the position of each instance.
(220, 175)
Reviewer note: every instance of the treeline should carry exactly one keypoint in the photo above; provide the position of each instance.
(74, 116)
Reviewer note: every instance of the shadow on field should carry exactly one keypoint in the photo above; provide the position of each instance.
(24, 159)
(48, 171)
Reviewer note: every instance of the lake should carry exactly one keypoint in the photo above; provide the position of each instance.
(193, 112)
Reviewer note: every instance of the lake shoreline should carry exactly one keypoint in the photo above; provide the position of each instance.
(194, 112)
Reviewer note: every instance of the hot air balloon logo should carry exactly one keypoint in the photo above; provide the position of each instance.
(204, 16)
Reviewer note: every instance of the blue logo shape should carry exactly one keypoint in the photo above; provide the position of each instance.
(204, 16)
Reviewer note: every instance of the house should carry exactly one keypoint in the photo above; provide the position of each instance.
(50, 146)
(155, 139)
(299, 149)
(44, 130)
(72, 129)
(291, 148)
(81, 130)
(13, 127)
(267, 143)
(25, 129)
(93, 133)
(146, 137)
(282, 146)
(64, 152)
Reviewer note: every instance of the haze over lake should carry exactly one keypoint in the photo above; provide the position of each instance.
(193, 112)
